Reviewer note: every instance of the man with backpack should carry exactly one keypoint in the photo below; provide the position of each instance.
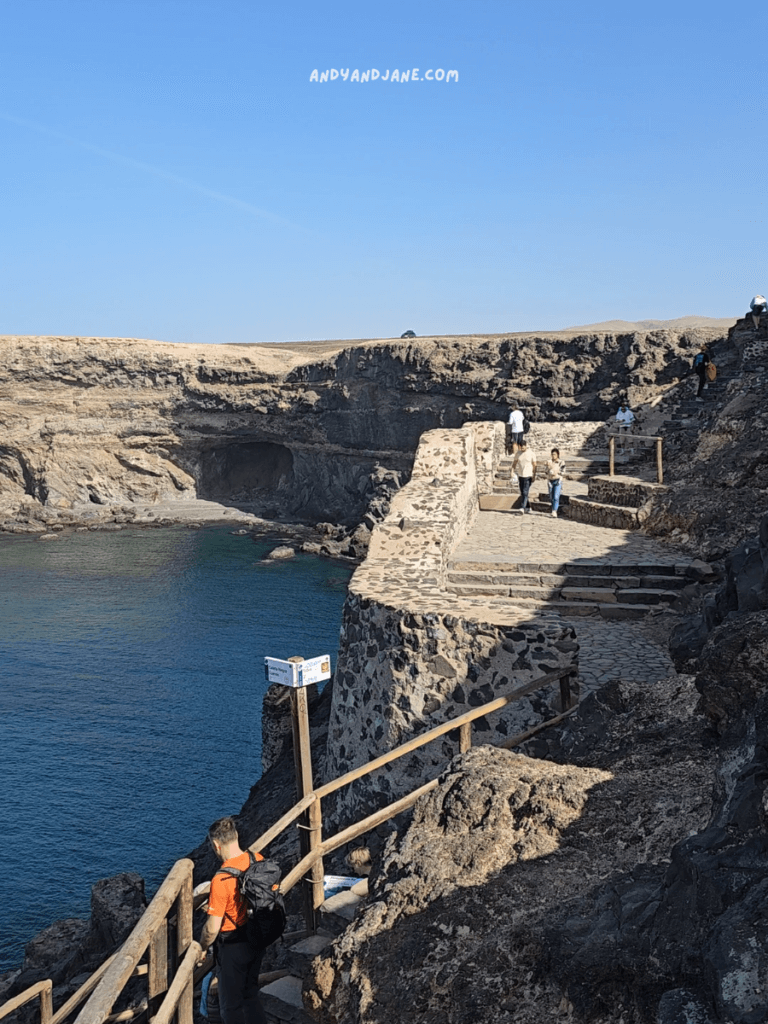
(700, 363)
(238, 955)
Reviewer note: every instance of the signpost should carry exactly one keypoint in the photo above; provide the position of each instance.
(298, 674)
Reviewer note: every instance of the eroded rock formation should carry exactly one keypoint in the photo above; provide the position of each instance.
(292, 431)
(458, 924)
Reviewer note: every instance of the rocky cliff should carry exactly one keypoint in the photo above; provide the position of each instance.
(288, 431)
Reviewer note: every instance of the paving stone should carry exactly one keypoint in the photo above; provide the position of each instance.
(282, 1000)
(646, 596)
(624, 611)
(587, 594)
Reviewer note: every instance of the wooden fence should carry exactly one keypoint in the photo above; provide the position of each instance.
(171, 978)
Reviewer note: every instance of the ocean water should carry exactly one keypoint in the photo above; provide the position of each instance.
(131, 679)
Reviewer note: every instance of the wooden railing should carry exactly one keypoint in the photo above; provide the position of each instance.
(635, 437)
(170, 980)
(43, 989)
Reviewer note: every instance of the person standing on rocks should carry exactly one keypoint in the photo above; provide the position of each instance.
(239, 961)
(515, 428)
(555, 472)
(758, 306)
(700, 363)
(524, 465)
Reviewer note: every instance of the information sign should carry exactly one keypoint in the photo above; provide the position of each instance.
(297, 673)
(314, 670)
(277, 671)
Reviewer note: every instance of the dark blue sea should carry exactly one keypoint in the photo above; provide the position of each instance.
(131, 679)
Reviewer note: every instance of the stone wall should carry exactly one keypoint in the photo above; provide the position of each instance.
(411, 655)
(616, 490)
(588, 437)
(582, 510)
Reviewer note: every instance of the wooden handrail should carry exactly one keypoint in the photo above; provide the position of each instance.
(181, 983)
(348, 834)
(437, 731)
(164, 1002)
(85, 990)
(98, 1007)
(43, 989)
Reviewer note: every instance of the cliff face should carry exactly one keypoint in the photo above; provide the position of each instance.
(291, 431)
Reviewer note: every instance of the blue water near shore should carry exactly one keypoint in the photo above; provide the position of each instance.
(131, 679)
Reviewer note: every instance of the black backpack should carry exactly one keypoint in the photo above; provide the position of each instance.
(259, 885)
(526, 425)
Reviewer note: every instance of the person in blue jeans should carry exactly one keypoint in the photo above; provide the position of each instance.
(555, 472)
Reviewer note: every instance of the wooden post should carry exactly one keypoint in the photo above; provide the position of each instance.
(46, 1003)
(659, 470)
(157, 976)
(184, 1011)
(465, 737)
(611, 454)
(310, 823)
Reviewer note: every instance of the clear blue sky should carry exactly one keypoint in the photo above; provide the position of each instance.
(169, 171)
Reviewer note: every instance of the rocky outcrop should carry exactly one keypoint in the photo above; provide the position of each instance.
(291, 431)
(68, 951)
(719, 467)
(744, 590)
(458, 926)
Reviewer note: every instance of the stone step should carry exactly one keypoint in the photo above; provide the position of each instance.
(645, 595)
(282, 1001)
(581, 568)
(558, 580)
(338, 911)
(606, 610)
(301, 954)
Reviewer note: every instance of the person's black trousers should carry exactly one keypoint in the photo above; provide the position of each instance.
(239, 966)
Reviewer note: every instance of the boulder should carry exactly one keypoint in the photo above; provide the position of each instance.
(283, 551)
(117, 903)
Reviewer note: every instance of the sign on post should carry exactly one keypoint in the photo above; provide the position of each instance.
(301, 673)
(298, 674)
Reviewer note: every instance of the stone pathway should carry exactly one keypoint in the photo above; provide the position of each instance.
(511, 538)
(619, 650)
(631, 650)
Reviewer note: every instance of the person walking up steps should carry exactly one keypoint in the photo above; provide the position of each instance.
(758, 306)
(239, 961)
(515, 427)
(700, 361)
(555, 472)
(524, 464)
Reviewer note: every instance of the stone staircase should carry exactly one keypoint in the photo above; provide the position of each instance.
(685, 417)
(281, 999)
(613, 591)
(589, 495)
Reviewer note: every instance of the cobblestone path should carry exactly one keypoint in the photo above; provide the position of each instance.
(632, 650)
(505, 538)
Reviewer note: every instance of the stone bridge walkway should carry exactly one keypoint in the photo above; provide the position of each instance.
(545, 554)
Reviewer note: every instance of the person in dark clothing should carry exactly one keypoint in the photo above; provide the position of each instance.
(700, 363)
(239, 961)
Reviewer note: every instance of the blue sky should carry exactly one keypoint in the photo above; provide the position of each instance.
(169, 170)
